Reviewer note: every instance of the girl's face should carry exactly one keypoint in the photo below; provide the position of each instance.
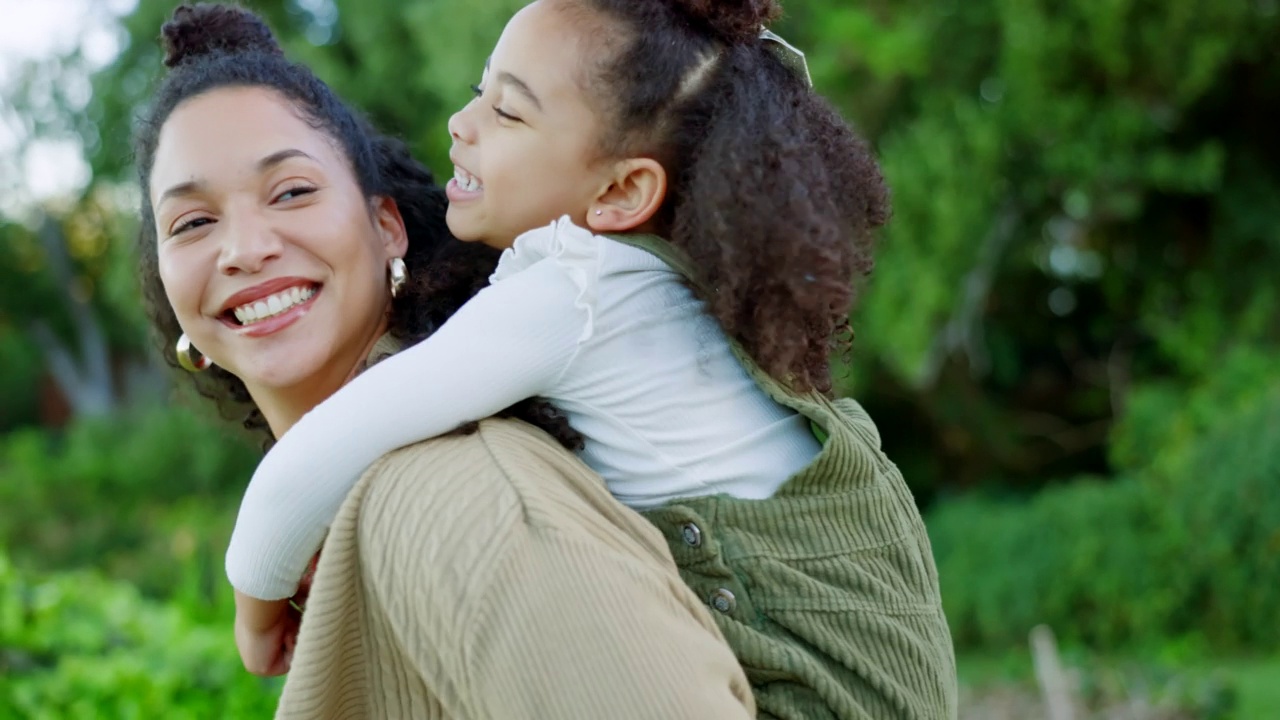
(272, 258)
(525, 150)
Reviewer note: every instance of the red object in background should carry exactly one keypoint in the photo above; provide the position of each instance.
(55, 410)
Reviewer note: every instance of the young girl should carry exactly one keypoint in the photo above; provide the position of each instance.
(694, 367)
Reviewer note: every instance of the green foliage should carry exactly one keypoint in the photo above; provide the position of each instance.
(1085, 205)
(144, 496)
(147, 497)
(1184, 549)
(76, 645)
(1108, 687)
(20, 381)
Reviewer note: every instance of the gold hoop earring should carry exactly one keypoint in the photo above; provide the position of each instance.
(399, 276)
(183, 349)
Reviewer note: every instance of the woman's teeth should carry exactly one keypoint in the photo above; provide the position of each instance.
(466, 181)
(274, 305)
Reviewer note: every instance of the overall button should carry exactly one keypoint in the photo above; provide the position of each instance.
(723, 601)
(692, 535)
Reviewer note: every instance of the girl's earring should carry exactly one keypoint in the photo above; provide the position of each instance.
(183, 349)
(599, 212)
(399, 275)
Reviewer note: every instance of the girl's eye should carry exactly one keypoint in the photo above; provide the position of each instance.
(294, 192)
(190, 225)
(506, 115)
(477, 90)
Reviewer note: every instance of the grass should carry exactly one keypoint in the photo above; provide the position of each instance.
(991, 680)
(1257, 682)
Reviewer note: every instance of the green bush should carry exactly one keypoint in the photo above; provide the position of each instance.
(1187, 548)
(76, 645)
(146, 496)
(20, 381)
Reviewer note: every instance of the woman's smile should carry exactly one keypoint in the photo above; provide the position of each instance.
(269, 307)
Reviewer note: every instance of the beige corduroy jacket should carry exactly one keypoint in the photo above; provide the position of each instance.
(492, 576)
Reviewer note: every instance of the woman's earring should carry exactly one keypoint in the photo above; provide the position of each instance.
(184, 356)
(599, 212)
(399, 275)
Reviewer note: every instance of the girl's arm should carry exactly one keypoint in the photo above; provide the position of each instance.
(511, 341)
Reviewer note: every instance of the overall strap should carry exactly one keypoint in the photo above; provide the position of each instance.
(673, 256)
(842, 425)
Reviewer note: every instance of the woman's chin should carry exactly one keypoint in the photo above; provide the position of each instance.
(277, 378)
(281, 366)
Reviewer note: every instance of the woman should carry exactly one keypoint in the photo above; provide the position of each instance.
(482, 576)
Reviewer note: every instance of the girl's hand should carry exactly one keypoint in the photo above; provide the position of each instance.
(267, 630)
(265, 634)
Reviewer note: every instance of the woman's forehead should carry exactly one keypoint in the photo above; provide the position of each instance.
(227, 132)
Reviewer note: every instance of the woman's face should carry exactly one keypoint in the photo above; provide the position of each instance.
(272, 258)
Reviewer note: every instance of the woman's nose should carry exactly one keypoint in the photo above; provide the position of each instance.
(248, 245)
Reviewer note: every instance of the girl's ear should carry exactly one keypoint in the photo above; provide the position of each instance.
(390, 226)
(635, 194)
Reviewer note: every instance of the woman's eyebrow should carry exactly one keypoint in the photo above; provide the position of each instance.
(280, 156)
(180, 190)
(194, 187)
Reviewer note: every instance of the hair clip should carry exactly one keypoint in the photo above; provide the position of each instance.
(788, 54)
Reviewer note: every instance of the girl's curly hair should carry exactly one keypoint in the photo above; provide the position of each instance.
(210, 46)
(772, 195)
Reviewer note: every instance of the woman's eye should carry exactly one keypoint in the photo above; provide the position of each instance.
(295, 192)
(190, 225)
(477, 90)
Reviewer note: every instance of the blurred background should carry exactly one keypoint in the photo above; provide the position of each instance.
(1069, 341)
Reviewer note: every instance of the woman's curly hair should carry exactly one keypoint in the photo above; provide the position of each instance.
(210, 46)
(771, 194)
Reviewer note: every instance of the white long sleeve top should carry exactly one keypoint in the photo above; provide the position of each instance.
(605, 332)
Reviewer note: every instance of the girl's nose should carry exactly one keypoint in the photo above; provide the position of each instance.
(460, 126)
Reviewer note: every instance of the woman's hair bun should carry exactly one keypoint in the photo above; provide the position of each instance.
(733, 21)
(204, 28)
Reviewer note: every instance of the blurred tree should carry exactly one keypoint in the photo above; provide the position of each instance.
(1085, 202)
(70, 320)
(66, 286)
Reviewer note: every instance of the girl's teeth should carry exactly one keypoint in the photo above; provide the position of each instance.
(466, 181)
